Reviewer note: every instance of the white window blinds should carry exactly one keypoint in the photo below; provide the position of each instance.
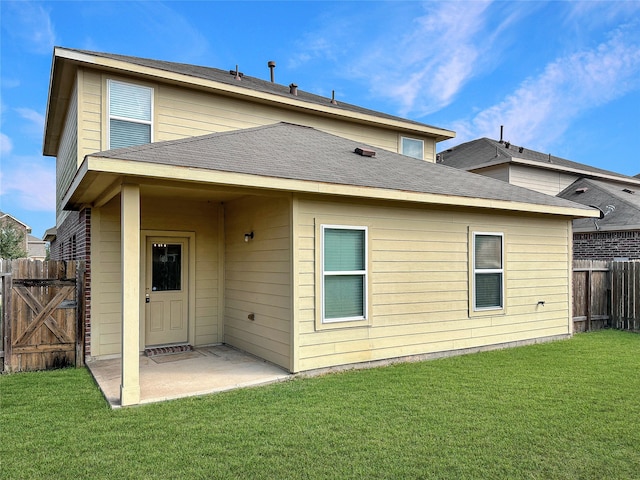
(344, 274)
(130, 114)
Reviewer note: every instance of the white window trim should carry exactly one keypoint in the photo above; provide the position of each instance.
(127, 119)
(487, 270)
(415, 140)
(364, 273)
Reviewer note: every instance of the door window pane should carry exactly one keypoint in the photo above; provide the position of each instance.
(167, 267)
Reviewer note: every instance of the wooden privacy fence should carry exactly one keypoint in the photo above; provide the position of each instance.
(606, 294)
(625, 289)
(42, 321)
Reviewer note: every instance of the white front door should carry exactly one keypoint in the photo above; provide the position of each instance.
(166, 291)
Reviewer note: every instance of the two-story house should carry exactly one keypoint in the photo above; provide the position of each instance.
(214, 207)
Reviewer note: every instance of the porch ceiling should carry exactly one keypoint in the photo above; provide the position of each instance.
(97, 188)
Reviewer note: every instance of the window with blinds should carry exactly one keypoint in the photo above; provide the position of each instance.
(488, 271)
(344, 273)
(130, 113)
(412, 147)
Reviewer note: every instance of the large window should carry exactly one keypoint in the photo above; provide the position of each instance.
(488, 271)
(344, 273)
(412, 147)
(130, 113)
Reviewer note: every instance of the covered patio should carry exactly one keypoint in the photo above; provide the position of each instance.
(177, 375)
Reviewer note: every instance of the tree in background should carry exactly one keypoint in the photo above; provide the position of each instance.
(11, 243)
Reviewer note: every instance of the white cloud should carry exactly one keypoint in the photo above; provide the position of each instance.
(36, 119)
(5, 144)
(543, 107)
(31, 181)
(29, 23)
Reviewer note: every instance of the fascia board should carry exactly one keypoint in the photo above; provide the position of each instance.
(125, 67)
(205, 176)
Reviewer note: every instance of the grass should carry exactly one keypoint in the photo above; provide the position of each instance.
(561, 410)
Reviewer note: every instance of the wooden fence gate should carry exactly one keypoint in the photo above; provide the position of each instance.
(42, 321)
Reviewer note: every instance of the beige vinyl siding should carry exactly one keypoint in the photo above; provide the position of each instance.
(544, 181)
(182, 113)
(420, 285)
(500, 172)
(67, 154)
(172, 217)
(106, 280)
(90, 137)
(257, 277)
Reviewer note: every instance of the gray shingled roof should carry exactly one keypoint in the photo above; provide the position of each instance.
(622, 208)
(252, 83)
(474, 154)
(296, 152)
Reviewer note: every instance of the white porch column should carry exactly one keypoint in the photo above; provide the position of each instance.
(130, 241)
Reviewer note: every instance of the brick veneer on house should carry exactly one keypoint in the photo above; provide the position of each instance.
(73, 242)
(606, 245)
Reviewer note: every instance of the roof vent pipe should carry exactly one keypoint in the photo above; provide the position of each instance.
(333, 97)
(238, 75)
(501, 132)
(272, 65)
(293, 89)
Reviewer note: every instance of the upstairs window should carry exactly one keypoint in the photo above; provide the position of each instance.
(488, 271)
(130, 113)
(412, 147)
(344, 273)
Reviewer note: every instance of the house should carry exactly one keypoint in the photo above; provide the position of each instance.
(213, 207)
(21, 228)
(34, 248)
(617, 235)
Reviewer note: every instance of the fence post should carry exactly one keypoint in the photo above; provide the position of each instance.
(7, 285)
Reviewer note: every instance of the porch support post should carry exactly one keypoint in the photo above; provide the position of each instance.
(130, 242)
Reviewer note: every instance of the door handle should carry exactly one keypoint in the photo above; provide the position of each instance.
(146, 298)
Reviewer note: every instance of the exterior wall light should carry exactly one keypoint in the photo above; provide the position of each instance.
(248, 236)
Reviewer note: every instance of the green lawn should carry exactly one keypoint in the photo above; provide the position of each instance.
(568, 409)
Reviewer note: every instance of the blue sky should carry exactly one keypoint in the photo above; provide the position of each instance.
(562, 77)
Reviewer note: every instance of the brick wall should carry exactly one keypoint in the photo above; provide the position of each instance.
(73, 242)
(606, 245)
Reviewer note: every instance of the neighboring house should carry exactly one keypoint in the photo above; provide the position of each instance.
(615, 236)
(217, 208)
(36, 248)
(21, 228)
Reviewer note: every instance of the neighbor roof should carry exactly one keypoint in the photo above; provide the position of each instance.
(620, 205)
(7, 215)
(485, 152)
(318, 159)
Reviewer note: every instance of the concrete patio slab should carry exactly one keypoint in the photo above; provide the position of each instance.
(198, 372)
